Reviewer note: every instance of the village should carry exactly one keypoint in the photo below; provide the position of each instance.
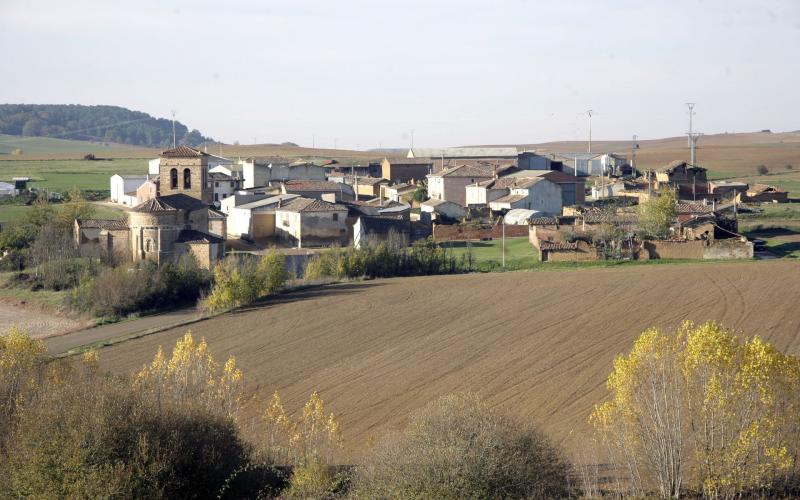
(571, 206)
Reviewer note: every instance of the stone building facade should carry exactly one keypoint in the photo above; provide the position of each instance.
(184, 170)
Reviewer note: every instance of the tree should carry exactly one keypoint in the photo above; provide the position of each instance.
(789, 166)
(75, 207)
(705, 397)
(656, 215)
(191, 376)
(762, 170)
(457, 447)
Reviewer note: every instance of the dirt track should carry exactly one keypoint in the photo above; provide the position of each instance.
(537, 343)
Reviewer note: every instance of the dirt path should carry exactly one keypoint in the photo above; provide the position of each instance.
(537, 343)
(63, 343)
(36, 322)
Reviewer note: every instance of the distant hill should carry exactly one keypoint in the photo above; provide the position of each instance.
(111, 124)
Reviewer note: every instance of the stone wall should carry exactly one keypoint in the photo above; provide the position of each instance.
(458, 232)
(733, 248)
(198, 170)
(584, 253)
(675, 249)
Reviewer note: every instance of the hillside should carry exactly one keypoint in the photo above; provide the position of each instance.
(723, 154)
(537, 343)
(93, 123)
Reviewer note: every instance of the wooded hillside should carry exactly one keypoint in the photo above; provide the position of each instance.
(93, 123)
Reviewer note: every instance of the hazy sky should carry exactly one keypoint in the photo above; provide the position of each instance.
(457, 72)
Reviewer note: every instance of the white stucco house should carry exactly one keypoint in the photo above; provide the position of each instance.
(123, 188)
(536, 193)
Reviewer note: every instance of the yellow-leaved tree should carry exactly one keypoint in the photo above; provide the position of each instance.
(311, 436)
(192, 376)
(706, 401)
(20, 360)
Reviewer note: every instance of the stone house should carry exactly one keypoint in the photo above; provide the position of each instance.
(405, 170)
(111, 236)
(450, 184)
(769, 194)
(727, 189)
(396, 192)
(573, 189)
(309, 222)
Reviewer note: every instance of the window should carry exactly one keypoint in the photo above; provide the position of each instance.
(224, 196)
(216, 196)
(335, 217)
(187, 178)
(231, 183)
(173, 178)
(216, 184)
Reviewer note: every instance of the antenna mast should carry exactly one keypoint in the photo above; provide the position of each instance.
(691, 113)
(589, 114)
(173, 130)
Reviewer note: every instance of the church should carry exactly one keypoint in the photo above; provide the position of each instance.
(177, 221)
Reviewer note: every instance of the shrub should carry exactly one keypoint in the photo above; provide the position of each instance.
(789, 166)
(762, 170)
(100, 437)
(459, 448)
(656, 215)
(384, 259)
(242, 281)
(142, 287)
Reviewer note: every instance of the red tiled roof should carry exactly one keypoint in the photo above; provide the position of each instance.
(310, 185)
(182, 152)
(103, 223)
(311, 205)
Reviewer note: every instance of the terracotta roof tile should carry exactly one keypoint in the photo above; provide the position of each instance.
(183, 152)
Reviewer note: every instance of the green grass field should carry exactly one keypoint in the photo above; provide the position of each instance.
(782, 242)
(15, 213)
(520, 254)
(48, 145)
(63, 175)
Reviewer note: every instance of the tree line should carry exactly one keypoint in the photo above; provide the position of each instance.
(94, 123)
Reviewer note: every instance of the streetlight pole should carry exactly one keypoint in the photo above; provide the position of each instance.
(503, 222)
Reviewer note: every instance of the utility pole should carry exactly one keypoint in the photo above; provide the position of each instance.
(589, 114)
(412, 138)
(313, 140)
(693, 138)
(634, 147)
(690, 105)
(335, 143)
(173, 130)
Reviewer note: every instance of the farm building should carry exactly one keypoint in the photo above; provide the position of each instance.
(529, 160)
(463, 153)
(7, 189)
(405, 170)
(765, 193)
(581, 164)
(727, 189)
(308, 222)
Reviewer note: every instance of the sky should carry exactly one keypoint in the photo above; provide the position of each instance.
(365, 74)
